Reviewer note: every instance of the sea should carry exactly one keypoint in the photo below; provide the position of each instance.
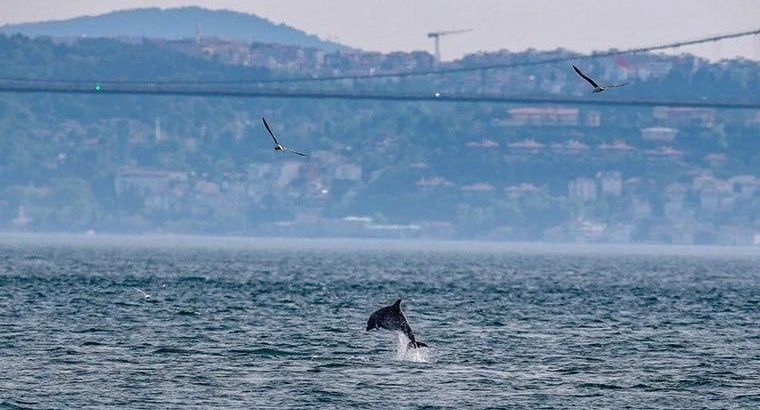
(174, 322)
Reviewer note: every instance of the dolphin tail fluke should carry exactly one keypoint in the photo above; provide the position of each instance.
(414, 345)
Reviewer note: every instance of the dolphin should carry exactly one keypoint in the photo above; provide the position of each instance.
(392, 318)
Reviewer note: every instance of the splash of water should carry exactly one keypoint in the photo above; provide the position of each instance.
(405, 353)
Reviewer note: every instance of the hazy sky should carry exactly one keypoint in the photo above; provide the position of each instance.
(387, 25)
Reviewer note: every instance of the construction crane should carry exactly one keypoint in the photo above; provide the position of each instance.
(437, 36)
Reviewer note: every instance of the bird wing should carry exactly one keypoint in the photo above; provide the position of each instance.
(585, 77)
(295, 152)
(617, 85)
(270, 130)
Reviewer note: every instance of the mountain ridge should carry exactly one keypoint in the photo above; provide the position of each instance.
(174, 23)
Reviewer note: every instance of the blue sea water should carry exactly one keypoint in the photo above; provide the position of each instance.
(262, 325)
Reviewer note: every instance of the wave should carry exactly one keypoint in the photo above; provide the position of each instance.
(262, 352)
(602, 386)
(404, 353)
(91, 330)
(176, 350)
(14, 405)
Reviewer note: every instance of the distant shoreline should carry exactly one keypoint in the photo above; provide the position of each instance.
(218, 242)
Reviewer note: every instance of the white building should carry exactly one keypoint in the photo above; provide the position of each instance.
(147, 181)
(611, 182)
(582, 189)
(543, 116)
(664, 134)
(348, 172)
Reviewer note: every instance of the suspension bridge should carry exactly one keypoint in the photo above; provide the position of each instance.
(262, 88)
(254, 92)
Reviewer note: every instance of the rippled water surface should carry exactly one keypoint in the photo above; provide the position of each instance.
(250, 327)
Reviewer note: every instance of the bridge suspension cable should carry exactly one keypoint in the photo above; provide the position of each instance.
(553, 60)
(254, 92)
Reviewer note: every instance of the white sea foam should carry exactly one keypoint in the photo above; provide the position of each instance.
(405, 353)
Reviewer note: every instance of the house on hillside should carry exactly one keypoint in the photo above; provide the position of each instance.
(543, 116)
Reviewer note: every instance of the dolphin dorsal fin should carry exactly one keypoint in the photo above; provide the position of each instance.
(398, 303)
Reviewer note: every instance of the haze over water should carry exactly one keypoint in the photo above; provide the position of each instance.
(244, 324)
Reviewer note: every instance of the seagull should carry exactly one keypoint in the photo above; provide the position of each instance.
(142, 292)
(277, 145)
(597, 88)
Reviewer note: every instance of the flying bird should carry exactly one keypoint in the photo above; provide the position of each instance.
(277, 145)
(597, 88)
(392, 318)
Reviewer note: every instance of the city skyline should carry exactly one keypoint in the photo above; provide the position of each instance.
(554, 172)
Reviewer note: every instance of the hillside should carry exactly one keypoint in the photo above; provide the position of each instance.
(172, 164)
(174, 23)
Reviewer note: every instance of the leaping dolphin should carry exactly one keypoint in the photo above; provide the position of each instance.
(597, 88)
(392, 318)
